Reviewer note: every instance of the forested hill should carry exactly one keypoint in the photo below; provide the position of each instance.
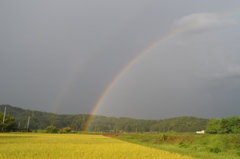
(40, 120)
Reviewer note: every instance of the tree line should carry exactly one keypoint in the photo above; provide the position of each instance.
(36, 120)
(230, 125)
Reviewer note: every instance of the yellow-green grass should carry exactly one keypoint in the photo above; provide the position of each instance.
(198, 146)
(17, 146)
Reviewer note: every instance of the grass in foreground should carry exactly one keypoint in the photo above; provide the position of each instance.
(17, 146)
(197, 146)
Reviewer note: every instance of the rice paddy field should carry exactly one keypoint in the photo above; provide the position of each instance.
(48, 146)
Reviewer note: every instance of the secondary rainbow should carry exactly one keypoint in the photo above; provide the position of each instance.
(116, 78)
(140, 55)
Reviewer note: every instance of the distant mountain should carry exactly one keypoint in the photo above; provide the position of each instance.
(40, 120)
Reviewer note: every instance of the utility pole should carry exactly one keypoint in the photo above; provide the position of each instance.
(4, 116)
(83, 123)
(28, 123)
(19, 126)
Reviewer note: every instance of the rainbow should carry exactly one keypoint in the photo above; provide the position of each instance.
(140, 55)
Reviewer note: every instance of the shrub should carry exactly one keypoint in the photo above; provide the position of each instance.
(66, 130)
(171, 133)
(163, 137)
(51, 129)
(181, 144)
(215, 150)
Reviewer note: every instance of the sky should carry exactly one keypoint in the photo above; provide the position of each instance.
(141, 59)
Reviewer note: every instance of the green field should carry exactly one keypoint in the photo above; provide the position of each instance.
(34, 146)
(224, 146)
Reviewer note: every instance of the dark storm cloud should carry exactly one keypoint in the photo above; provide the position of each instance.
(61, 55)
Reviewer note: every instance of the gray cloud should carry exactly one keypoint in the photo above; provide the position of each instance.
(60, 56)
(202, 22)
(231, 73)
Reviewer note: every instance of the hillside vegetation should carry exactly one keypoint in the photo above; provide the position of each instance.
(40, 120)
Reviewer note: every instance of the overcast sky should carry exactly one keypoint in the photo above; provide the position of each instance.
(60, 56)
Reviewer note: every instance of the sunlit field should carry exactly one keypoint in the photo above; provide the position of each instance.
(15, 146)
